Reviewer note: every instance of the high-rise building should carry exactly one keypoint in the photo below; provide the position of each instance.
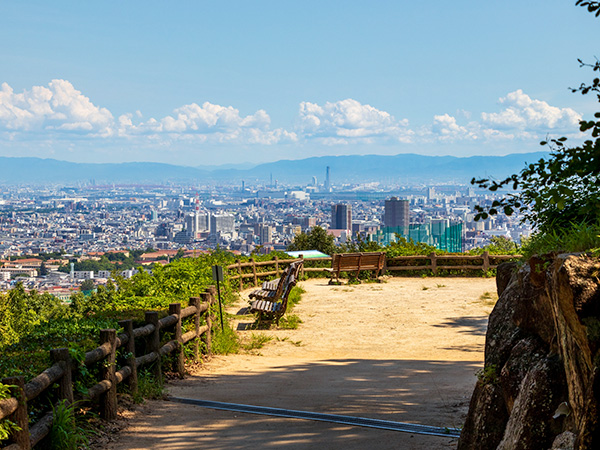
(222, 223)
(341, 217)
(397, 213)
(327, 184)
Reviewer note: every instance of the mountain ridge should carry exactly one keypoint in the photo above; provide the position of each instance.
(401, 168)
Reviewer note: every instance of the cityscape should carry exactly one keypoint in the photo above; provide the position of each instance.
(160, 222)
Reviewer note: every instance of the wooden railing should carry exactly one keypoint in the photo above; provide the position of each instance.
(431, 262)
(15, 408)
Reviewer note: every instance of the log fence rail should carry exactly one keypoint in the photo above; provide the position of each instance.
(15, 408)
(253, 270)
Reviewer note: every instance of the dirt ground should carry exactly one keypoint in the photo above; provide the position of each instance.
(404, 350)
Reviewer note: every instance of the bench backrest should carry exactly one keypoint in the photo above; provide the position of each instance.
(354, 261)
(291, 282)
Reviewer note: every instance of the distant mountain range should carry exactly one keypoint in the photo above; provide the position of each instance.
(403, 168)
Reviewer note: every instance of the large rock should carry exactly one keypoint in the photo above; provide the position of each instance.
(542, 351)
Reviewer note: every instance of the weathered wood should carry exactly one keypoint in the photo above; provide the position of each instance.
(132, 380)
(433, 260)
(208, 299)
(8, 406)
(189, 311)
(168, 321)
(41, 429)
(146, 330)
(121, 340)
(175, 310)
(122, 374)
(153, 344)
(254, 272)
(239, 267)
(40, 383)
(169, 347)
(62, 357)
(355, 262)
(486, 261)
(302, 266)
(98, 389)
(146, 359)
(195, 303)
(97, 354)
(20, 414)
(393, 268)
(108, 399)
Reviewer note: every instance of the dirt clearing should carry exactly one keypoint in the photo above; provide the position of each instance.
(404, 350)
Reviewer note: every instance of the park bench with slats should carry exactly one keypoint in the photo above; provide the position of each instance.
(271, 305)
(356, 262)
(268, 288)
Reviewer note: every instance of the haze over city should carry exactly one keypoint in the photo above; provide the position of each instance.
(198, 83)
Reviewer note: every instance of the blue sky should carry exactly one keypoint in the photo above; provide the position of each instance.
(199, 83)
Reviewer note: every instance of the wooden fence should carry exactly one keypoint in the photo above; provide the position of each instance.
(15, 408)
(253, 270)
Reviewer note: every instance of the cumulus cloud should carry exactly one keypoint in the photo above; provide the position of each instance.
(210, 122)
(57, 107)
(60, 109)
(348, 121)
(524, 113)
(446, 128)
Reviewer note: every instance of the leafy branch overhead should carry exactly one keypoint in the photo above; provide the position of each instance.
(563, 189)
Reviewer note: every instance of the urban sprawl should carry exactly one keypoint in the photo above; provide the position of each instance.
(155, 223)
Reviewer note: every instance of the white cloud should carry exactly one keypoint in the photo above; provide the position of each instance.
(209, 123)
(524, 113)
(348, 121)
(58, 107)
(445, 128)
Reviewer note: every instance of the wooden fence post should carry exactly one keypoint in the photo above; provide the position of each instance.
(65, 384)
(302, 267)
(175, 308)
(195, 301)
(108, 400)
(207, 339)
(254, 272)
(486, 261)
(20, 416)
(241, 285)
(276, 266)
(132, 381)
(153, 344)
(433, 259)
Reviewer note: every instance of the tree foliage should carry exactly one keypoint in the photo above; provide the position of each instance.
(315, 239)
(563, 189)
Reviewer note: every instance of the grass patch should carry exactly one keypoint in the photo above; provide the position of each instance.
(148, 387)
(576, 238)
(289, 322)
(257, 340)
(441, 285)
(424, 288)
(488, 298)
(68, 432)
(226, 341)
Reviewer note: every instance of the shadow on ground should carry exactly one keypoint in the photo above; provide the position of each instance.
(471, 325)
(427, 392)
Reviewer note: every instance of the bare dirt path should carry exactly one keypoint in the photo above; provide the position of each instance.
(405, 350)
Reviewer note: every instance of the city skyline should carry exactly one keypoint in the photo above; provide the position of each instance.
(199, 84)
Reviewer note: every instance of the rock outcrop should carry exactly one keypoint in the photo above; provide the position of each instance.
(540, 386)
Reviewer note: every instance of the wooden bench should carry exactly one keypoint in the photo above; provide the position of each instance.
(270, 289)
(272, 304)
(355, 262)
(272, 285)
